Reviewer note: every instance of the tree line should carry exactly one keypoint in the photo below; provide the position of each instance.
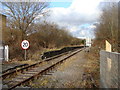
(107, 29)
(22, 23)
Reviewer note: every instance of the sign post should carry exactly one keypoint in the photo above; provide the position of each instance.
(25, 45)
(25, 54)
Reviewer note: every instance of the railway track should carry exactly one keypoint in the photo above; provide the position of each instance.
(35, 70)
(9, 73)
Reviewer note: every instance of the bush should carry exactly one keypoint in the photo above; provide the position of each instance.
(48, 36)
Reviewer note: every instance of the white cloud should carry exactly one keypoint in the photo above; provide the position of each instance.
(80, 12)
(85, 6)
(82, 33)
(73, 29)
(92, 27)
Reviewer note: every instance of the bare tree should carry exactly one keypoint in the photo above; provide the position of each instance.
(108, 27)
(23, 14)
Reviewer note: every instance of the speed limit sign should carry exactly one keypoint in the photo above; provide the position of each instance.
(25, 44)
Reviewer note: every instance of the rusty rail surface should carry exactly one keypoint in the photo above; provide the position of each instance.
(31, 74)
(13, 68)
(26, 67)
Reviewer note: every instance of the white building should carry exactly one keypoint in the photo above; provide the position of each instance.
(88, 42)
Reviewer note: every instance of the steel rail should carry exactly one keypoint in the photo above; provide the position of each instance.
(44, 70)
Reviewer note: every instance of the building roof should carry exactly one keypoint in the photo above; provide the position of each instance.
(2, 15)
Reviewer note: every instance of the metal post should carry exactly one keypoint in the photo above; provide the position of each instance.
(7, 52)
(25, 54)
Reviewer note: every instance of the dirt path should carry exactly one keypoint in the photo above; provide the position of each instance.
(67, 75)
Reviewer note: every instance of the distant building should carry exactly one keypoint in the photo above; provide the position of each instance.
(88, 42)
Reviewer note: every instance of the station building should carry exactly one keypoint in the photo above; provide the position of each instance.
(3, 53)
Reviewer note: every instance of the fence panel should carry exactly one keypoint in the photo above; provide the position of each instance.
(109, 69)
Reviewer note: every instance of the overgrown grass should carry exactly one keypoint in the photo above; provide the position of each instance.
(93, 65)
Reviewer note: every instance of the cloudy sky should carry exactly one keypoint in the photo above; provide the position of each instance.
(78, 16)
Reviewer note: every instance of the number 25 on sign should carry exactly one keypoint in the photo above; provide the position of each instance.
(25, 45)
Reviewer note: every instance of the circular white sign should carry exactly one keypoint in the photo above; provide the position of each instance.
(25, 44)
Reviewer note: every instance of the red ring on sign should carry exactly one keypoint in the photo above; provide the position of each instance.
(28, 44)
